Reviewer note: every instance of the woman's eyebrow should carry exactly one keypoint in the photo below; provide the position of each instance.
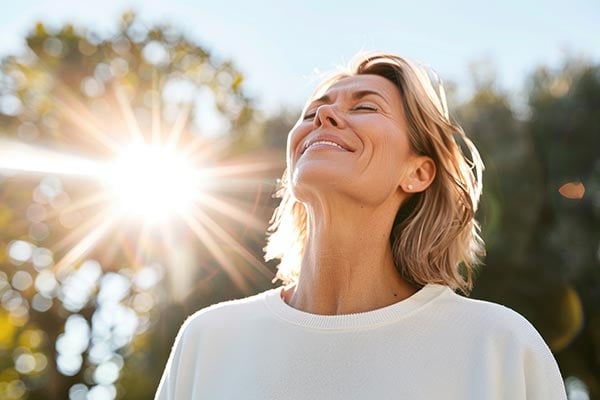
(323, 99)
(363, 93)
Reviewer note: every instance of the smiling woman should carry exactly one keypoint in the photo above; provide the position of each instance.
(376, 231)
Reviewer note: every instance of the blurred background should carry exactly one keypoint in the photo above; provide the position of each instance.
(141, 142)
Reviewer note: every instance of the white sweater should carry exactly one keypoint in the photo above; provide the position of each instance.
(433, 345)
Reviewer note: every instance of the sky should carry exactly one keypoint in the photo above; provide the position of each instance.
(282, 46)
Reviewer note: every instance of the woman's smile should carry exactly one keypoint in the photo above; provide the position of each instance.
(324, 144)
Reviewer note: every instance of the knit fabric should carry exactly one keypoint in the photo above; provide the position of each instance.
(435, 344)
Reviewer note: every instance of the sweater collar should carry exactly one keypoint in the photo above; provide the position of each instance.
(381, 316)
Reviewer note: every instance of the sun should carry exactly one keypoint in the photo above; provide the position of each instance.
(152, 183)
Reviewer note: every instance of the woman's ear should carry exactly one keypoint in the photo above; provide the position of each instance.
(423, 173)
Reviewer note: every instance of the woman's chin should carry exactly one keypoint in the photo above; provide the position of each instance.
(318, 175)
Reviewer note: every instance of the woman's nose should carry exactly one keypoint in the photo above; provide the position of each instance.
(327, 115)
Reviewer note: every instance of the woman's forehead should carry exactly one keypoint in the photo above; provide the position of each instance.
(355, 83)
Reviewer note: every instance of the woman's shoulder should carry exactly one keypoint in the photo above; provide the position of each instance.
(491, 318)
(233, 310)
(483, 307)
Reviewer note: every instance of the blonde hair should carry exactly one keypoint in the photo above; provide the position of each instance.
(435, 237)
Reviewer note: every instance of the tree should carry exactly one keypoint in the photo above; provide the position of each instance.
(565, 128)
(78, 322)
(542, 259)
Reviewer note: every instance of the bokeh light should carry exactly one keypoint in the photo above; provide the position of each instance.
(576, 389)
(20, 251)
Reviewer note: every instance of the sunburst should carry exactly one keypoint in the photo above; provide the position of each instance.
(150, 180)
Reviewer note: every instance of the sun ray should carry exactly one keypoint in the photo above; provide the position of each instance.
(96, 199)
(227, 209)
(182, 277)
(213, 247)
(133, 128)
(83, 246)
(72, 109)
(226, 238)
(202, 149)
(156, 119)
(80, 231)
(118, 245)
(178, 127)
(168, 239)
(129, 251)
(255, 206)
(141, 243)
(240, 169)
(88, 201)
(231, 185)
(22, 157)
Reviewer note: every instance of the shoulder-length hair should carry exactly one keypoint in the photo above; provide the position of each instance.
(435, 237)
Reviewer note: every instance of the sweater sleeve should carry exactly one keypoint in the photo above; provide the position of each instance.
(543, 380)
(168, 382)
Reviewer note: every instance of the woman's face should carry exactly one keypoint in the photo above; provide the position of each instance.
(353, 140)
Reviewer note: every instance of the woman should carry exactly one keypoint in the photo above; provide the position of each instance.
(377, 215)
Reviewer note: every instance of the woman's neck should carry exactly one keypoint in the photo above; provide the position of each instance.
(347, 266)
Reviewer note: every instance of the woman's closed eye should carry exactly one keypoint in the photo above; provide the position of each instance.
(361, 107)
(309, 115)
(366, 107)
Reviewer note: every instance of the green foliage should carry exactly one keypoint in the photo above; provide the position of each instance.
(543, 248)
(82, 94)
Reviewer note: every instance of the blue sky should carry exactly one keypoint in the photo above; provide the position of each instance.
(279, 45)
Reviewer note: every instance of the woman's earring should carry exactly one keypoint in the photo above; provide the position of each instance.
(409, 186)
